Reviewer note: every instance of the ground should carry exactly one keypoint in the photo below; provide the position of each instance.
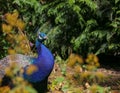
(60, 83)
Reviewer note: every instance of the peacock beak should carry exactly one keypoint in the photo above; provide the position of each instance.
(45, 37)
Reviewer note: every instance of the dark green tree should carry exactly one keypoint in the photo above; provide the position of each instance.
(80, 26)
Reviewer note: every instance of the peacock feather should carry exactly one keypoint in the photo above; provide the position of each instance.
(21, 60)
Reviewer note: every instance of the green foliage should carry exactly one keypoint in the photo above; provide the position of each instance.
(67, 20)
(23, 89)
(81, 26)
(80, 77)
(84, 70)
(98, 89)
(25, 14)
(32, 6)
(4, 45)
(109, 27)
(59, 80)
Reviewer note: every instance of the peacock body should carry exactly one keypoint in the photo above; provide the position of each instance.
(44, 63)
(21, 60)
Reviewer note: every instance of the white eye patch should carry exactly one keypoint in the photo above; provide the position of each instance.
(40, 37)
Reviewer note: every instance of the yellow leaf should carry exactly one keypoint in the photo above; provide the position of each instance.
(4, 89)
(11, 51)
(6, 28)
(15, 14)
(11, 19)
(20, 24)
(31, 69)
(8, 71)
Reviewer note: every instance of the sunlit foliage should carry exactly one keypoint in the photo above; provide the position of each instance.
(20, 85)
(77, 78)
(79, 26)
(13, 28)
(85, 72)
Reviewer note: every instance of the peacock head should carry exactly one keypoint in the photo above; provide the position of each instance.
(42, 36)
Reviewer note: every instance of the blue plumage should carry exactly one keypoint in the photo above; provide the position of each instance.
(44, 63)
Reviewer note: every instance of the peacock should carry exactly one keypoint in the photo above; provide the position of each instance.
(44, 63)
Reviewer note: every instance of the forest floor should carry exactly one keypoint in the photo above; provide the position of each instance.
(61, 82)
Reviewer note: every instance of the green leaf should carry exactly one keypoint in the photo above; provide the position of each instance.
(65, 87)
(27, 88)
(118, 12)
(59, 79)
(30, 89)
(71, 2)
(16, 2)
(102, 49)
(116, 1)
(92, 22)
(114, 24)
(76, 8)
(100, 89)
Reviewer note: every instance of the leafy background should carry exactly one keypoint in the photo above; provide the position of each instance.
(81, 26)
(72, 26)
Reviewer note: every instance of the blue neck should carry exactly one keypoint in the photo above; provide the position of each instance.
(44, 63)
(38, 46)
(43, 51)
